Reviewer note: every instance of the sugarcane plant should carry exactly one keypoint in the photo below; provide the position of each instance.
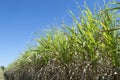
(89, 49)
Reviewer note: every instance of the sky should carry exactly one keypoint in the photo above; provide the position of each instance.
(20, 19)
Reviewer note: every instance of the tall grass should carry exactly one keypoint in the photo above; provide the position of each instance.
(86, 50)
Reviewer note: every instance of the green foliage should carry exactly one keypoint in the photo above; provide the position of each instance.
(2, 67)
(88, 49)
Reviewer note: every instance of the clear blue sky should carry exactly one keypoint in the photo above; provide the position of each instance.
(19, 19)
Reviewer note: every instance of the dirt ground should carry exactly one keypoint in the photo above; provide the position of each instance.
(1, 75)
